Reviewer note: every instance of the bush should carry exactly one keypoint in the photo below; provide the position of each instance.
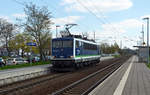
(5, 57)
(148, 65)
(24, 65)
(116, 56)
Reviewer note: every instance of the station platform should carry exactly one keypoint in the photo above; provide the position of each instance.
(132, 78)
(14, 75)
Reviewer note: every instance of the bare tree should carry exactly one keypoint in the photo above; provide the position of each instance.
(38, 22)
(7, 31)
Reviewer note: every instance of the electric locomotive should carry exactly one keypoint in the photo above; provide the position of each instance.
(73, 51)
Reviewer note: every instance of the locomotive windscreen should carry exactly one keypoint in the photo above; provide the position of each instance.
(62, 44)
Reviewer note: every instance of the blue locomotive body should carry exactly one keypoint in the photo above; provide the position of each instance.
(74, 52)
(62, 47)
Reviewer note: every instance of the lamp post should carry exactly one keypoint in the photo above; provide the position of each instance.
(147, 18)
(142, 34)
(56, 30)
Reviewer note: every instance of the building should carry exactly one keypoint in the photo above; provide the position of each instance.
(142, 53)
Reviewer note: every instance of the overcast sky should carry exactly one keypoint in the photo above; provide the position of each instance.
(112, 20)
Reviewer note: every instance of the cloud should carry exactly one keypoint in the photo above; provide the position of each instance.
(123, 26)
(64, 20)
(19, 15)
(125, 31)
(6, 18)
(96, 5)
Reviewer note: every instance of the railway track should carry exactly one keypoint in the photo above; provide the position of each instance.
(85, 85)
(54, 82)
(14, 88)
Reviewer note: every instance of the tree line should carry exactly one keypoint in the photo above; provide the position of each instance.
(109, 49)
(35, 27)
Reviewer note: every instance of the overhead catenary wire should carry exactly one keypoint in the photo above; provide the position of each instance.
(82, 24)
(104, 20)
(101, 21)
(54, 9)
(91, 12)
(19, 2)
(103, 17)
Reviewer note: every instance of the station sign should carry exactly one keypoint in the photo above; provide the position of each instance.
(31, 44)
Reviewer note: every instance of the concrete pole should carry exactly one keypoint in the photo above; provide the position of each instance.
(147, 38)
(143, 33)
(94, 35)
(56, 30)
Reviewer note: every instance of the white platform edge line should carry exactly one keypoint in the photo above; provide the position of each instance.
(93, 91)
(123, 81)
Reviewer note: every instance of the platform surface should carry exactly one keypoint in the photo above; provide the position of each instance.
(22, 71)
(132, 78)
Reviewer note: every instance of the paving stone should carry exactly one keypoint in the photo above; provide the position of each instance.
(138, 81)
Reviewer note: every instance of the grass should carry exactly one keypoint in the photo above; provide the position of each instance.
(148, 65)
(85, 55)
(24, 65)
(116, 56)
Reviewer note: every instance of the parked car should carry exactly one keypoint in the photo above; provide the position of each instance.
(14, 61)
(2, 62)
(48, 58)
(35, 59)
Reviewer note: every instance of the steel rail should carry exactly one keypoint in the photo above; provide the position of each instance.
(100, 81)
(15, 89)
(67, 88)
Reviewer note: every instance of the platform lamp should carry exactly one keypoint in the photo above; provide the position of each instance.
(147, 18)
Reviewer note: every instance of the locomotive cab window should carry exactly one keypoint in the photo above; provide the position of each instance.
(60, 44)
(57, 44)
(68, 43)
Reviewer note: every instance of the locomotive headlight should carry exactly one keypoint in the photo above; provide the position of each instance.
(71, 56)
(53, 57)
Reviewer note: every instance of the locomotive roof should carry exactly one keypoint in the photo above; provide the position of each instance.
(80, 39)
(63, 38)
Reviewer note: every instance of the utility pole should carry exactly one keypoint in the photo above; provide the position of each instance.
(56, 30)
(142, 35)
(94, 35)
(121, 44)
(147, 18)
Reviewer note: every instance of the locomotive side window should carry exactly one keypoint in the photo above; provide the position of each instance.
(80, 43)
(88, 46)
(77, 44)
(85, 46)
